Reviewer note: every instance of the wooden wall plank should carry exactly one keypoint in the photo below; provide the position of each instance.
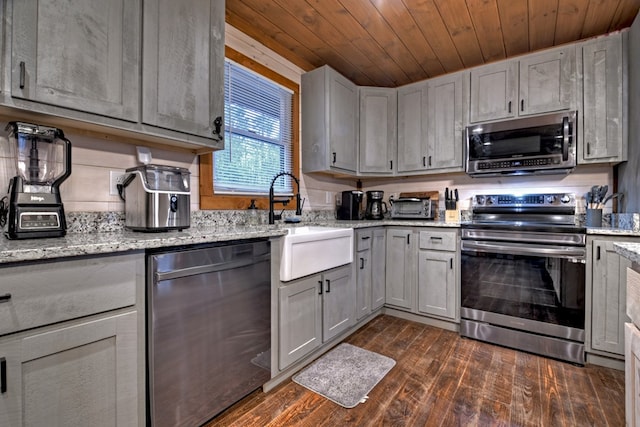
(276, 39)
(456, 16)
(486, 21)
(599, 17)
(571, 15)
(399, 18)
(383, 34)
(333, 10)
(542, 23)
(337, 38)
(426, 15)
(627, 10)
(514, 16)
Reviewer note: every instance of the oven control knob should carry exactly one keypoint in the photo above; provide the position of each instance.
(480, 200)
(490, 200)
(551, 199)
(565, 198)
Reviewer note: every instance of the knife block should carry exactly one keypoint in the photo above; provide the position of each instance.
(452, 215)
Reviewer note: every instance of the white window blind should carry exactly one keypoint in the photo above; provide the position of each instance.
(258, 134)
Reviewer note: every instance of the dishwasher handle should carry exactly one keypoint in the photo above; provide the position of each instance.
(209, 268)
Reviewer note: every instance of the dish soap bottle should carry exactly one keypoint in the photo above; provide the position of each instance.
(253, 218)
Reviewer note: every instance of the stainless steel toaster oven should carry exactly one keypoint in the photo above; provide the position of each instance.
(414, 208)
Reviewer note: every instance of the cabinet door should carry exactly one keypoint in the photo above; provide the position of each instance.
(412, 127)
(632, 375)
(378, 119)
(548, 81)
(609, 296)
(378, 261)
(400, 266)
(300, 319)
(183, 65)
(78, 54)
(338, 302)
(343, 116)
(602, 139)
(494, 91)
(363, 272)
(84, 374)
(437, 283)
(445, 123)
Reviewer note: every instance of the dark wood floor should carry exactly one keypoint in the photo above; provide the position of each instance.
(441, 379)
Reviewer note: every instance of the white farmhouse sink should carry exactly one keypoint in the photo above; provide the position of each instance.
(312, 249)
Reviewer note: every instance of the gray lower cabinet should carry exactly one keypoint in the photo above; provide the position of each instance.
(378, 268)
(80, 374)
(370, 270)
(313, 310)
(183, 65)
(82, 55)
(438, 266)
(400, 267)
(605, 98)
(606, 296)
(72, 342)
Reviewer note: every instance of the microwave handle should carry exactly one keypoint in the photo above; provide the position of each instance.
(565, 138)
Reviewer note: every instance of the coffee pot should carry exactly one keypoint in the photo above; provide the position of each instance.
(376, 208)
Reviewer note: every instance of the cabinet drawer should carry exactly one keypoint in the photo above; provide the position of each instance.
(53, 292)
(363, 240)
(438, 240)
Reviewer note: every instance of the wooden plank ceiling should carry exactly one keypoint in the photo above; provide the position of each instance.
(394, 42)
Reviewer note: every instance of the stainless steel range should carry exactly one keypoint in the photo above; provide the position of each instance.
(523, 274)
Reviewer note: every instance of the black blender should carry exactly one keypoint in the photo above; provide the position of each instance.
(43, 162)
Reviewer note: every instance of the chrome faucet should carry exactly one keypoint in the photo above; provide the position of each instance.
(272, 200)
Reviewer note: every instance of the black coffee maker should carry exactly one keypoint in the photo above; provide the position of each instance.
(349, 205)
(376, 208)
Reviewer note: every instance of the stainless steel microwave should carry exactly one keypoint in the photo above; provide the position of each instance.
(534, 145)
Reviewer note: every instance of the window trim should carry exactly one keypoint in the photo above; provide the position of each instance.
(209, 200)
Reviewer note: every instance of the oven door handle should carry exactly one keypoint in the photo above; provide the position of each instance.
(513, 248)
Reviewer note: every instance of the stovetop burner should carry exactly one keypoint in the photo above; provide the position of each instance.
(546, 212)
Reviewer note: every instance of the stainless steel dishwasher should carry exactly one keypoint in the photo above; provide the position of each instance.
(208, 329)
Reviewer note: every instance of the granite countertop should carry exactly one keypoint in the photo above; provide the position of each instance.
(629, 250)
(611, 231)
(76, 244)
(95, 243)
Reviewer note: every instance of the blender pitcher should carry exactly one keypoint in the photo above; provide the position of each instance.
(43, 161)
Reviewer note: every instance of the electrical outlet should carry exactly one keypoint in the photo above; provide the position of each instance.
(115, 178)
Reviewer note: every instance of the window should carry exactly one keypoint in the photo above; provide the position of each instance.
(261, 114)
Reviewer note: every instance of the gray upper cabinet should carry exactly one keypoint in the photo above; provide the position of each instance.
(412, 128)
(183, 65)
(605, 95)
(494, 89)
(378, 122)
(329, 122)
(81, 54)
(430, 125)
(536, 83)
(445, 123)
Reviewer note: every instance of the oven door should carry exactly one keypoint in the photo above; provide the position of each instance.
(533, 287)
